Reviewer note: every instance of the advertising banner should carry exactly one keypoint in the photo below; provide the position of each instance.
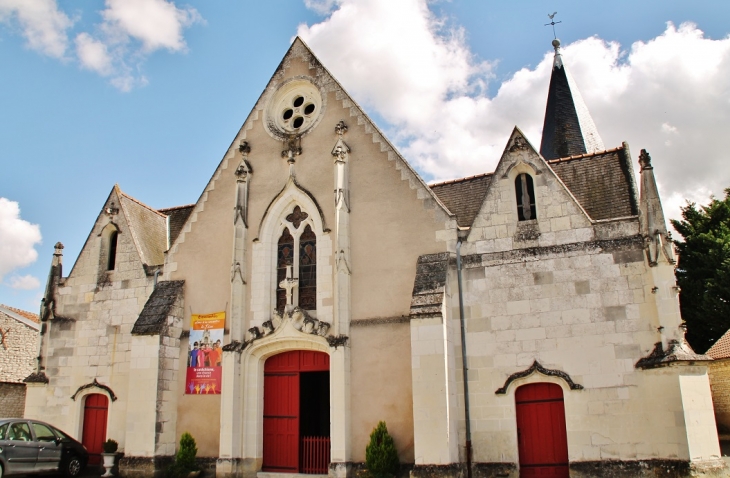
(205, 355)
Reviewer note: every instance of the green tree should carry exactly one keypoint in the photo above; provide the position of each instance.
(381, 457)
(703, 270)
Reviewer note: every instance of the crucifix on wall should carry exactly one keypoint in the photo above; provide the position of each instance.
(289, 284)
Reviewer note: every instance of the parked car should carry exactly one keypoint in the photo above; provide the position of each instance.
(31, 446)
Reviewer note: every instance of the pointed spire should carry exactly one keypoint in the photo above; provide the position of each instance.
(568, 129)
(652, 224)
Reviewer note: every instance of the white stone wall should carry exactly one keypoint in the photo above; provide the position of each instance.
(94, 340)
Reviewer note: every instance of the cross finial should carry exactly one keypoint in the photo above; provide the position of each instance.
(341, 128)
(551, 16)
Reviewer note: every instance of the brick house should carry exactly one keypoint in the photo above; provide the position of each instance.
(354, 292)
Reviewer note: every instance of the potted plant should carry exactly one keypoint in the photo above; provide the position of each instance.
(110, 452)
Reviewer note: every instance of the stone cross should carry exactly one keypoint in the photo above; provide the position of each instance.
(288, 284)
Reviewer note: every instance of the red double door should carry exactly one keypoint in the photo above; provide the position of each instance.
(94, 431)
(543, 443)
(282, 382)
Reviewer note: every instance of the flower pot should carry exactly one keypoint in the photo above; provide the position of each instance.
(108, 463)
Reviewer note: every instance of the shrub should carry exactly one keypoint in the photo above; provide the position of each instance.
(185, 459)
(381, 457)
(110, 446)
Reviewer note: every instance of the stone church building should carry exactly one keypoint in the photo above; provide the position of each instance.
(353, 292)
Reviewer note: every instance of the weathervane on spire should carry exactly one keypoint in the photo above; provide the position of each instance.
(553, 23)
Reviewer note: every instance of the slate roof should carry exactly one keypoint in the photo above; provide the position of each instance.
(463, 197)
(602, 182)
(721, 348)
(149, 229)
(568, 128)
(177, 217)
(152, 319)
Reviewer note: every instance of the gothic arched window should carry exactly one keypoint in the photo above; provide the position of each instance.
(525, 192)
(308, 269)
(112, 259)
(284, 258)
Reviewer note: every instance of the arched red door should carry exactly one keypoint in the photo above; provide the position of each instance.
(287, 378)
(541, 434)
(94, 431)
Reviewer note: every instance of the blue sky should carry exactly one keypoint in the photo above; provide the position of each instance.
(149, 94)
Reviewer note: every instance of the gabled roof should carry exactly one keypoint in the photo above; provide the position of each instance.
(721, 348)
(602, 182)
(149, 229)
(568, 128)
(152, 319)
(27, 318)
(177, 217)
(463, 196)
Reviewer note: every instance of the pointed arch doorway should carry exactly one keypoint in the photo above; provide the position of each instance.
(541, 432)
(96, 408)
(296, 413)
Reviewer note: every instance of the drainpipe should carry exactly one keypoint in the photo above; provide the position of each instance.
(464, 367)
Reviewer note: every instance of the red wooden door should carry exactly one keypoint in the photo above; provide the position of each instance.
(543, 442)
(94, 431)
(281, 406)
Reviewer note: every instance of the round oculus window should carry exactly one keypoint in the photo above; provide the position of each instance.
(294, 108)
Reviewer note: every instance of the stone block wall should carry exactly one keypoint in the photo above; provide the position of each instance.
(720, 384)
(12, 400)
(19, 349)
(90, 337)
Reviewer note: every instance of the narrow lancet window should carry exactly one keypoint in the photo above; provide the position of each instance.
(285, 257)
(308, 269)
(525, 192)
(112, 260)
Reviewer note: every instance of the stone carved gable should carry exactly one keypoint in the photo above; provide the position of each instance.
(300, 64)
(559, 217)
(113, 215)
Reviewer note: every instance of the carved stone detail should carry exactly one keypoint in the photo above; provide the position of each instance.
(519, 144)
(337, 341)
(299, 319)
(677, 351)
(297, 217)
(95, 384)
(293, 145)
(341, 128)
(536, 367)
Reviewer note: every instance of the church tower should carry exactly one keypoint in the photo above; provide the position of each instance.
(568, 129)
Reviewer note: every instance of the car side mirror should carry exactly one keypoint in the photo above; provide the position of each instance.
(57, 441)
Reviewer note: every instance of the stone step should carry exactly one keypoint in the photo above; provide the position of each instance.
(267, 474)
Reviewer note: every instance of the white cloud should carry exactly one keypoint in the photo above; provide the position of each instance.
(129, 32)
(26, 282)
(156, 24)
(17, 238)
(93, 54)
(43, 25)
(667, 95)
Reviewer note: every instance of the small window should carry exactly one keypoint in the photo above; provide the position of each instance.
(3, 431)
(525, 192)
(112, 251)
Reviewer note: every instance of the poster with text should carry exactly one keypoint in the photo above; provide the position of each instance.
(205, 355)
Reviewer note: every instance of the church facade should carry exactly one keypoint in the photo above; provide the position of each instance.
(522, 322)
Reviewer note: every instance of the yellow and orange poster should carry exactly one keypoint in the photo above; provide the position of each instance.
(205, 355)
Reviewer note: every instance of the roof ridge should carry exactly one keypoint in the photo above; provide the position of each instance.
(140, 203)
(174, 208)
(23, 313)
(459, 180)
(585, 155)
